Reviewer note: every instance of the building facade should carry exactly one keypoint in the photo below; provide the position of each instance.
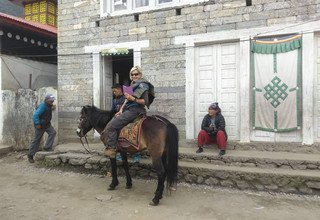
(194, 52)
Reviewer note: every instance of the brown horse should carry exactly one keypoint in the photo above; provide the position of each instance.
(158, 135)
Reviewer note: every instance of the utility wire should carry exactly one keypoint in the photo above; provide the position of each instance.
(11, 73)
(8, 57)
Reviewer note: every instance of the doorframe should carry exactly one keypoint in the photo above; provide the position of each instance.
(244, 80)
(216, 89)
(97, 63)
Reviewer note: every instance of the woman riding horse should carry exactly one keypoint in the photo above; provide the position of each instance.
(133, 107)
(158, 135)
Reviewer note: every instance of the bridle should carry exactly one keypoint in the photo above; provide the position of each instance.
(85, 137)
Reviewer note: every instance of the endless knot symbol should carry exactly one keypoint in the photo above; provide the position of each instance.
(276, 92)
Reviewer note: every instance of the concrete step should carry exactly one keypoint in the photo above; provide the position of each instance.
(255, 178)
(253, 158)
(5, 149)
(241, 158)
(291, 147)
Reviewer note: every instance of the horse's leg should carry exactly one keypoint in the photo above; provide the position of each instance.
(126, 169)
(115, 181)
(158, 165)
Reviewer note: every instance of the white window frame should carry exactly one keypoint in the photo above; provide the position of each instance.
(107, 7)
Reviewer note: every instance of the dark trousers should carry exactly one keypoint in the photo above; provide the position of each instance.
(37, 138)
(117, 123)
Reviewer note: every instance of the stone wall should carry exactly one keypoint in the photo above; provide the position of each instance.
(16, 125)
(163, 62)
(199, 172)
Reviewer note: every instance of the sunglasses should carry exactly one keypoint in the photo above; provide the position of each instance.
(135, 74)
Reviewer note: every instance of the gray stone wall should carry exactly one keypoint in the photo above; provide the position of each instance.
(163, 62)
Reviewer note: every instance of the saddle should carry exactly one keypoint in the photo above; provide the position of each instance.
(130, 136)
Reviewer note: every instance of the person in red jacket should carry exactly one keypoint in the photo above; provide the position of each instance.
(213, 130)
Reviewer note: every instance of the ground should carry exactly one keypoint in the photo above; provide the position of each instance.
(30, 192)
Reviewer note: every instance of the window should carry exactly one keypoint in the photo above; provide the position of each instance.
(163, 1)
(141, 3)
(119, 7)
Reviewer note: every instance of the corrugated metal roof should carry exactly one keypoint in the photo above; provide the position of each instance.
(30, 25)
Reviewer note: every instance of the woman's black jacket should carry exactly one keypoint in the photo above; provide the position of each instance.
(219, 123)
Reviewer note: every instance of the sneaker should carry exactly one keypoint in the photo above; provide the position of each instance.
(30, 159)
(200, 150)
(222, 152)
(136, 158)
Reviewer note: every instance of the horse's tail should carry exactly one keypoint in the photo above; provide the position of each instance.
(172, 148)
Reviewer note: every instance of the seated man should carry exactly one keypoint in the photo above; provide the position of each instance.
(213, 130)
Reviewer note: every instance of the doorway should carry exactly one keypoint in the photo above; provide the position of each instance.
(115, 70)
(216, 80)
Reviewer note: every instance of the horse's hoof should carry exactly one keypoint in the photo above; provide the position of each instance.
(128, 186)
(154, 202)
(112, 186)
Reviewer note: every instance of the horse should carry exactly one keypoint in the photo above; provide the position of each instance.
(158, 135)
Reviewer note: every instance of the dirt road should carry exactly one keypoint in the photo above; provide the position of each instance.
(30, 192)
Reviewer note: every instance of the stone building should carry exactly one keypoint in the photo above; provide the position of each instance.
(194, 52)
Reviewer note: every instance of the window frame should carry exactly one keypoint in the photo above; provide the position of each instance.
(107, 6)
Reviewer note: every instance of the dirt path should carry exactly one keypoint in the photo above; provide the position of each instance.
(29, 192)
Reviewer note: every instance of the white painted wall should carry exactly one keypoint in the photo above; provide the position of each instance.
(317, 88)
(16, 72)
(1, 104)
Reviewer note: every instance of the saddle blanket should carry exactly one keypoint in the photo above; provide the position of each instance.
(130, 135)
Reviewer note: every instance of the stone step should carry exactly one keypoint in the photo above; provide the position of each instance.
(5, 149)
(254, 178)
(270, 179)
(241, 158)
(292, 147)
(262, 159)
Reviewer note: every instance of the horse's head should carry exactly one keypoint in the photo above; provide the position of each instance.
(84, 124)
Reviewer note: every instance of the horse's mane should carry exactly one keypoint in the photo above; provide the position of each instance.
(98, 117)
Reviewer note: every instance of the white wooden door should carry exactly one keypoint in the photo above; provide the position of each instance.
(216, 80)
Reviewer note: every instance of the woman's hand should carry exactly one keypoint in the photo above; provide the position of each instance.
(119, 113)
(129, 97)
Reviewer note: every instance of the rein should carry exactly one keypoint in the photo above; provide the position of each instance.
(87, 149)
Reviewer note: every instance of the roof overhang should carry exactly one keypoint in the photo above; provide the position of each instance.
(28, 25)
